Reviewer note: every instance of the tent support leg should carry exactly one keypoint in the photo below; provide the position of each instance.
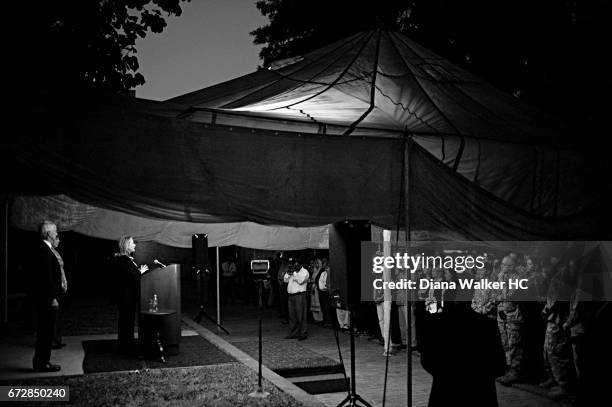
(5, 209)
(218, 291)
(408, 218)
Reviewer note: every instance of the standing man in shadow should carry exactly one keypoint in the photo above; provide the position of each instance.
(49, 285)
(297, 280)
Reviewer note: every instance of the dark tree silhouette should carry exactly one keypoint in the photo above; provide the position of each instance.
(549, 53)
(298, 26)
(86, 42)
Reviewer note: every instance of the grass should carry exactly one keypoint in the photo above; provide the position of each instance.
(218, 385)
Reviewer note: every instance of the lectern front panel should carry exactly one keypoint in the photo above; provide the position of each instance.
(166, 283)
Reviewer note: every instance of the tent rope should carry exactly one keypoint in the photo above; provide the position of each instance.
(309, 117)
(365, 74)
(335, 81)
(407, 65)
(309, 63)
(459, 153)
(372, 90)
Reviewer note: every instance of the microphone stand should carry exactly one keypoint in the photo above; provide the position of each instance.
(353, 399)
(260, 393)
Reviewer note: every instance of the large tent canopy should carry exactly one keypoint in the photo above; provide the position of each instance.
(371, 127)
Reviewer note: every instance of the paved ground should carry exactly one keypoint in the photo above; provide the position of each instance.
(242, 322)
(16, 355)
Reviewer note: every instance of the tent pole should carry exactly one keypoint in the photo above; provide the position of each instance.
(408, 218)
(557, 180)
(218, 299)
(388, 299)
(5, 208)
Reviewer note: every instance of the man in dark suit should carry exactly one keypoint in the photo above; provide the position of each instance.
(49, 285)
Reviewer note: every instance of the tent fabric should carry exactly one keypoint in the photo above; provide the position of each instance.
(415, 90)
(106, 153)
(391, 86)
(28, 212)
(320, 139)
(111, 155)
(443, 201)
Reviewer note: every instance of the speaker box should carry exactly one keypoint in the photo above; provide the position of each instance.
(201, 266)
(345, 260)
(199, 245)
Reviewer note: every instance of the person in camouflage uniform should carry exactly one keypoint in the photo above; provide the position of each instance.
(511, 323)
(557, 347)
(576, 325)
(483, 301)
(535, 326)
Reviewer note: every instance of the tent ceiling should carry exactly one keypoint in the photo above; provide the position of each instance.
(415, 91)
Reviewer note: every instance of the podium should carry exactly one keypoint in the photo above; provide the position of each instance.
(166, 283)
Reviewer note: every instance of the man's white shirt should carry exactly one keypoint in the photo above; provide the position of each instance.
(296, 281)
(61, 263)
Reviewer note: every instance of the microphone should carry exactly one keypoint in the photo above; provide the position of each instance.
(159, 263)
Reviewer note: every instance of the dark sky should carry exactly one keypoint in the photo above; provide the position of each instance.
(209, 43)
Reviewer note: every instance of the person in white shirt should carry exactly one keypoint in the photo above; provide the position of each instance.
(296, 280)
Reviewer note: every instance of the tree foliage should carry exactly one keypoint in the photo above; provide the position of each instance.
(550, 53)
(299, 26)
(546, 52)
(88, 42)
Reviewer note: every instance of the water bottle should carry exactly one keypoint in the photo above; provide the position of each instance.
(154, 303)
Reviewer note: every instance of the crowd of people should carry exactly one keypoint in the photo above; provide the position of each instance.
(541, 330)
(550, 333)
(544, 329)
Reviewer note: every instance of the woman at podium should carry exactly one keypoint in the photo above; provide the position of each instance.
(128, 295)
